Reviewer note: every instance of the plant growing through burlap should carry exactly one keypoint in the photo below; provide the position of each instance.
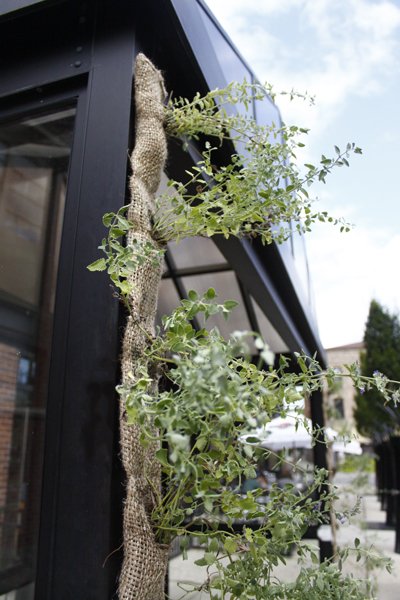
(181, 446)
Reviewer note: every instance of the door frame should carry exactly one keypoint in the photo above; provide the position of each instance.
(79, 552)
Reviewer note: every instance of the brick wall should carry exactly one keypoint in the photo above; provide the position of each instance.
(9, 360)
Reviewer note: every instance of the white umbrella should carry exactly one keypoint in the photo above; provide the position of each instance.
(342, 444)
(295, 431)
(288, 432)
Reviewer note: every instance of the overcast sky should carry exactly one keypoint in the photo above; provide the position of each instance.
(346, 53)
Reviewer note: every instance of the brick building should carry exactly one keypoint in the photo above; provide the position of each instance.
(341, 402)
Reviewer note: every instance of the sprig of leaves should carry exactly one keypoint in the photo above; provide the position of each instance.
(215, 392)
(261, 192)
(215, 395)
(122, 259)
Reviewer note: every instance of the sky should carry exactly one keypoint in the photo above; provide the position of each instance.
(347, 54)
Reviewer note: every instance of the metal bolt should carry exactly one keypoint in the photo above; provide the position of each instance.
(77, 63)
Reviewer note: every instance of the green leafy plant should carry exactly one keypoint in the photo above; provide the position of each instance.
(215, 393)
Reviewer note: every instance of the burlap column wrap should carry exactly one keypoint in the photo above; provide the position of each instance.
(145, 562)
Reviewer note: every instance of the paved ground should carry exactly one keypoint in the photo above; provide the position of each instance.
(388, 586)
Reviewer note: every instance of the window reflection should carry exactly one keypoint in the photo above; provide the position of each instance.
(168, 299)
(34, 158)
(268, 331)
(231, 64)
(195, 252)
(226, 286)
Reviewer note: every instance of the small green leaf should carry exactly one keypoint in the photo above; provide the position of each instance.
(98, 265)
(107, 219)
(210, 294)
(213, 545)
(230, 545)
(230, 304)
(162, 456)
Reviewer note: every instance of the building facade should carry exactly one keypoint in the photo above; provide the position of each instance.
(341, 401)
(66, 126)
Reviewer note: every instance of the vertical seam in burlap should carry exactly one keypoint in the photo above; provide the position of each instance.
(145, 562)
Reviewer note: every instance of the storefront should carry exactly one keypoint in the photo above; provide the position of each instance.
(65, 130)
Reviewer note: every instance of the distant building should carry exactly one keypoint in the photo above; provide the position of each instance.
(341, 401)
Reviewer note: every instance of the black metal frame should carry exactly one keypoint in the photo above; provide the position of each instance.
(91, 65)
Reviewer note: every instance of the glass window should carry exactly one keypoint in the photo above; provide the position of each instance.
(168, 299)
(268, 331)
(226, 286)
(301, 262)
(34, 159)
(267, 113)
(339, 408)
(232, 65)
(195, 252)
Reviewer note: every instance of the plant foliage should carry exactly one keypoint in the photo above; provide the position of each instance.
(215, 394)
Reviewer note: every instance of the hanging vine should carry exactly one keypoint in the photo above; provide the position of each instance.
(189, 438)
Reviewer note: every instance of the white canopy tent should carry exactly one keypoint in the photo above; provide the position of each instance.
(295, 431)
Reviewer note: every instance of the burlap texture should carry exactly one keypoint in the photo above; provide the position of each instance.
(145, 561)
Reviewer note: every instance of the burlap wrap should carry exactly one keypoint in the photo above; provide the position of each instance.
(145, 562)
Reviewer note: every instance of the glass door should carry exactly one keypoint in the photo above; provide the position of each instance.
(34, 161)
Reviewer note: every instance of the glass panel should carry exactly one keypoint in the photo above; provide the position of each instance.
(34, 158)
(268, 331)
(168, 299)
(226, 286)
(231, 64)
(196, 252)
(301, 262)
(267, 113)
(189, 252)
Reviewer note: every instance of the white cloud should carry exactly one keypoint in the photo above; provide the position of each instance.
(336, 49)
(347, 53)
(348, 271)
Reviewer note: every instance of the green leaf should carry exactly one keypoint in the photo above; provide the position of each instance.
(162, 457)
(108, 218)
(210, 294)
(124, 286)
(230, 545)
(98, 265)
(213, 545)
(210, 558)
(230, 304)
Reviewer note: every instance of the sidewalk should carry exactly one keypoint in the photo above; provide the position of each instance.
(369, 526)
(388, 585)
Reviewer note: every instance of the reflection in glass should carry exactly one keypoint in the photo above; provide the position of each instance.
(168, 299)
(226, 286)
(301, 262)
(232, 66)
(34, 158)
(268, 331)
(195, 252)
